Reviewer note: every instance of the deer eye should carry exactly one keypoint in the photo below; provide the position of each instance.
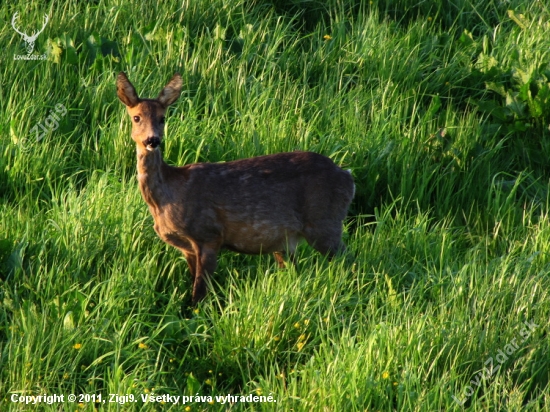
(162, 119)
(137, 119)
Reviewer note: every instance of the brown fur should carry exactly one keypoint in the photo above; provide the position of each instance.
(263, 204)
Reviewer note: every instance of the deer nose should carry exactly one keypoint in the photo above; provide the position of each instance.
(151, 142)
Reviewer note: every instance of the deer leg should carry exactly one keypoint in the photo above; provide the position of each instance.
(280, 258)
(186, 248)
(206, 265)
(191, 260)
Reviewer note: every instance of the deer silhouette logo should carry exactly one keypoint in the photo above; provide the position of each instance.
(29, 39)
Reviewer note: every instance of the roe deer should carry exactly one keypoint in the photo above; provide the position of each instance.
(263, 204)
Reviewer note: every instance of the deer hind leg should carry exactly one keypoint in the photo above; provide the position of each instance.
(280, 258)
(206, 262)
(325, 237)
(288, 250)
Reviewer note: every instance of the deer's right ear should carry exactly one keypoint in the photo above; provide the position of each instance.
(125, 91)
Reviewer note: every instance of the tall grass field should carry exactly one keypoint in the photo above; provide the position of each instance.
(441, 110)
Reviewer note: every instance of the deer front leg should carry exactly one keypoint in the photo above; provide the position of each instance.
(206, 265)
(183, 245)
(191, 260)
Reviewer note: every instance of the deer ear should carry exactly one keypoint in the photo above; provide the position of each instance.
(125, 91)
(171, 91)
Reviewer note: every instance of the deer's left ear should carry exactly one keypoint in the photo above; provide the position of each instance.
(171, 91)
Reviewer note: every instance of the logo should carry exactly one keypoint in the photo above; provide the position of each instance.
(29, 40)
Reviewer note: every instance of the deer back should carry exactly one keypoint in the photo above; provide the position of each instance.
(254, 204)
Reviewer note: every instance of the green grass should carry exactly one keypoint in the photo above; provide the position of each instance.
(441, 111)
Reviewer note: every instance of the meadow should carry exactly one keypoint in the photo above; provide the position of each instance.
(440, 109)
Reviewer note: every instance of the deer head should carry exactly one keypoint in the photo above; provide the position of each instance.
(29, 39)
(147, 114)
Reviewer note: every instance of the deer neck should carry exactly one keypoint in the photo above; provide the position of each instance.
(151, 170)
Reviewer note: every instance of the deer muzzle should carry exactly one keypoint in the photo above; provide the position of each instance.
(151, 143)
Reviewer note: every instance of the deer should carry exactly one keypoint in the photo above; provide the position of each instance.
(29, 39)
(262, 204)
